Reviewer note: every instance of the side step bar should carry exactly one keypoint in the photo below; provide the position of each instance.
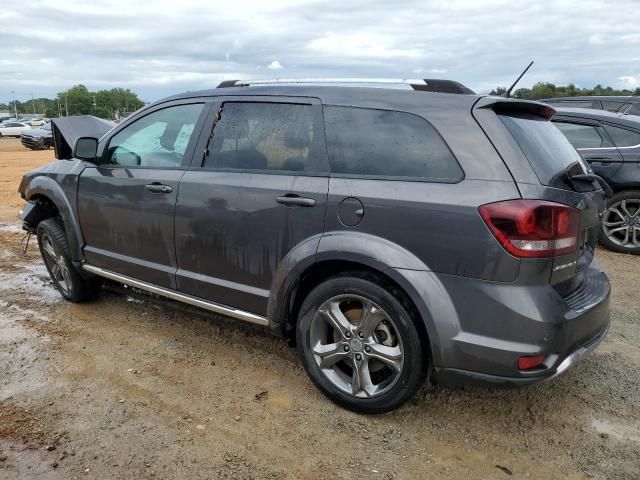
(180, 297)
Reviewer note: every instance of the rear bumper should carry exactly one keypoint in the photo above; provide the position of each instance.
(468, 377)
(479, 329)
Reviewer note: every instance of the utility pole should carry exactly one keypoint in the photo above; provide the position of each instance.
(15, 107)
(33, 102)
(66, 107)
(59, 108)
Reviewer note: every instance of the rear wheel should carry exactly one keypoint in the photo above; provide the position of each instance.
(621, 223)
(360, 345)
(55, 254)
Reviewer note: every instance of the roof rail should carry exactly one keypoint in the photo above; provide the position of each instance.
(423, 85)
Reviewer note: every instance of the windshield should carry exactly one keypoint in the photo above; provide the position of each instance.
(547, 149)
(46, 126)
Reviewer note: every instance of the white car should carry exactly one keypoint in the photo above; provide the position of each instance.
(13, 129)
(36, 122)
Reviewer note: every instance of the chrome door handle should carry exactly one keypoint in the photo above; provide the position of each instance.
(296, 200)
(158, 188)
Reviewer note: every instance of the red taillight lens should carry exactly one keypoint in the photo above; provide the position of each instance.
(533, 228)
(527, 363)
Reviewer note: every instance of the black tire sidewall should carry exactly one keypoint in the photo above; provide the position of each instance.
(53, 228)
(415, 353)
(603, 239)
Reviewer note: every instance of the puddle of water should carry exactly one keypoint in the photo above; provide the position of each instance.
(23, 462)
(616, 430)
(31, 283)
(11, 228)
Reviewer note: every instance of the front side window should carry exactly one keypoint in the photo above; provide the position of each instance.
(363, 141)
(159, 139)
(583, 136)
(266, 136)
(623, 137)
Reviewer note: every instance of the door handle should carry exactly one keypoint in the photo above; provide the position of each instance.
(156, 187)
(295, 200)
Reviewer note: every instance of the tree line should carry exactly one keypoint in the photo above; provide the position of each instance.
(78, 100)
(549, 90)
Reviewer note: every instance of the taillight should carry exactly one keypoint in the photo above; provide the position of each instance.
(533, 228)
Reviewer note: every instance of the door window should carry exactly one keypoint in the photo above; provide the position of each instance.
(363, 141)
(159, 139)
(268, 137)
(623, 137)
(583, 136)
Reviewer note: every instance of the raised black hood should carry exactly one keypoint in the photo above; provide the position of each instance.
(66, 130)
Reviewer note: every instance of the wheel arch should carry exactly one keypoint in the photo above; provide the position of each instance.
(354, 253)
(47, 191)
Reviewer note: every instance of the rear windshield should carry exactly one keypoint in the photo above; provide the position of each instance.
(546, 148)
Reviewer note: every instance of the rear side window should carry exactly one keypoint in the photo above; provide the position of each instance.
(267, 136)
(583, 136)
(623, 137)
(546, 148)
(381, 143)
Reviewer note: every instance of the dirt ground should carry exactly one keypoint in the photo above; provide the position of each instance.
(133, 386)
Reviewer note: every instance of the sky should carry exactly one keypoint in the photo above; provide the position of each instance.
(158, 48)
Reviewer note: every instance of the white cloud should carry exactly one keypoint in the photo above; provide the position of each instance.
(630, 81)
(481, 43)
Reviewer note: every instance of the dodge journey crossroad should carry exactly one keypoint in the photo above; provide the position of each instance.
(392, 234)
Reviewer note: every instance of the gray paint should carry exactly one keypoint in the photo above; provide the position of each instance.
(222, 237)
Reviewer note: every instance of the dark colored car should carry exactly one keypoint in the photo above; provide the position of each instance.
(615, 104)
(391, 234)
(610, 143)
(38, 138)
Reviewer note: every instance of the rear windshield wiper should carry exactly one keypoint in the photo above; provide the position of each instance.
(575, 172)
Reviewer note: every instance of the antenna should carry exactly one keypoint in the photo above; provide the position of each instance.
(508, 92)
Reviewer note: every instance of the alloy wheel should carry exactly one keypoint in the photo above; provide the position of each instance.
(621, 223)
(356, 346)
(57, 265)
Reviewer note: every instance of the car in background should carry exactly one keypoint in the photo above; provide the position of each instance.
(13, 129)
(616, 104)
(37, 122)
(610, 143)
(38, 138)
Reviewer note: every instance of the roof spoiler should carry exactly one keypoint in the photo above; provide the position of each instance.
(511, 106)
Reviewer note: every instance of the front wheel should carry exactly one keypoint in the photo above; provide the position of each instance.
(360, 345)
(621, 223)
(55, 254)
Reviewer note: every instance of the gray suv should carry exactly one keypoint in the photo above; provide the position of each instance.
(391, 234)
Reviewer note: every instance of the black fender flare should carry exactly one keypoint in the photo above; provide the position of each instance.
(47, 187)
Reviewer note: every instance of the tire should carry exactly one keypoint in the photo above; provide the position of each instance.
(55, 255)
(620, 231)
(392, 332)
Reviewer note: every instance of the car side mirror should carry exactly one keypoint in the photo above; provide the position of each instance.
(86, 148)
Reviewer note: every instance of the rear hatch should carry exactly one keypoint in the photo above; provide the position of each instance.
(538, 156)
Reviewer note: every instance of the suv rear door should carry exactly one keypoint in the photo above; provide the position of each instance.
(260, 191)
(126, 203)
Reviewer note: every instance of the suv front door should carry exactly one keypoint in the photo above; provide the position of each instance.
(260, 191)
(126, 204)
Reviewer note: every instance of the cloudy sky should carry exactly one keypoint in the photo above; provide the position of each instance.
(161, 47)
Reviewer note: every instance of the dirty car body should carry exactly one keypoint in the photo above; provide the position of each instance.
(237, 209)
